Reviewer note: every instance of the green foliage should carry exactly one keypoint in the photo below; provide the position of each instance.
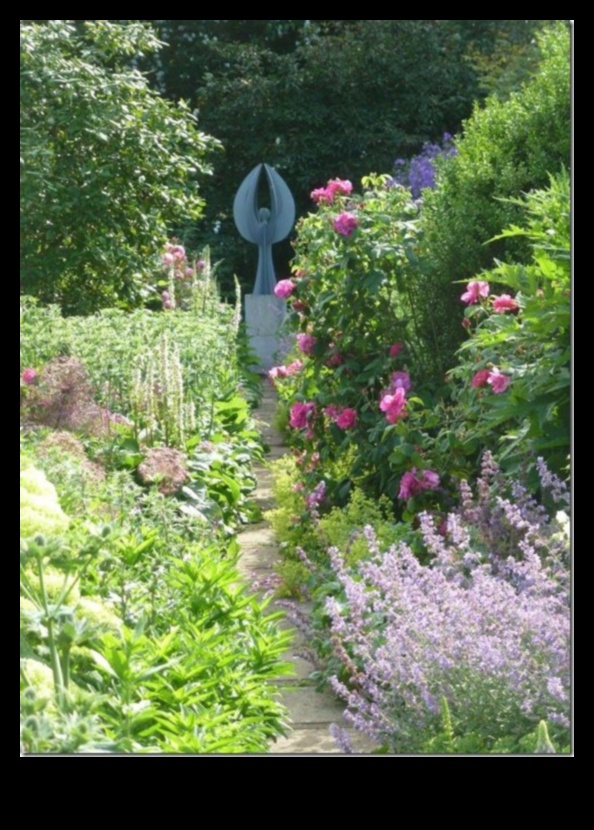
(532, 346)
(40, 509)
(315, 99)
(355, 296)
(107, 165)
(501, 154)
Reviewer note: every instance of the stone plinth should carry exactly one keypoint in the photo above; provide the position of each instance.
(264, 314)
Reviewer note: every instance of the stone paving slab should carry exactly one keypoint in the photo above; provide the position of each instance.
(310, 712)
(318, 741)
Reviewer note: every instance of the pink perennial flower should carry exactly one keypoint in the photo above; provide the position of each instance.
(284, 288)
(343, 186)
(334, 186)
(498, 381)
(412, 485)
(345, 224)
(504, 303)
(306, 343)
(300, 415)
(346, 419)
(395, 349)
(480, 378)
(29, 376)
(394, 405)
(322, 194)
(475, 290)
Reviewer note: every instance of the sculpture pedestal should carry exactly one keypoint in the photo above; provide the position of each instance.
(264, 314)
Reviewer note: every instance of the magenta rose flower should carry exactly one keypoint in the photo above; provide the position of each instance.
(393, 405)
(346, 419)
(475, 290)
(284, 288)
(345, 224)
(498, 381)
(504, 303)
(343, 186)
(480, 378)
(412, 485)
(322, 194)
(306, 343)
(29, 376)
(300, 414)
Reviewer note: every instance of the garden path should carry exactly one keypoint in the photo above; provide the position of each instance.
(310, 711)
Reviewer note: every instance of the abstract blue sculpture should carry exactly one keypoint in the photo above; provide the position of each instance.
(264, 226)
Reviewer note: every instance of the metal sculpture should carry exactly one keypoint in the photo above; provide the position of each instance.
(264, 226)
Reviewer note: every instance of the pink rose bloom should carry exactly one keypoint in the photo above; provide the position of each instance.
(429, 480)
(322, 194)
(277, 372)
(345, 224)
(475, 291)
(409, 485)
(347, 419)
(394, 405)
(306, 343)
(412, 485)
(284, 288)
(300, 414)
(504, 303)
(178, 252)
(401, 380)
(29, 376)
(395, 349)
(339, 186)
(480, 378)
(294, 367)
(498, 381)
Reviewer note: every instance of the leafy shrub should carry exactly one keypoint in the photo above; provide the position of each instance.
(106, 164)
(501, 154)
(525, 336)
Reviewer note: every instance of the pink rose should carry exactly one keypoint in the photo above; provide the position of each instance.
(300, 414)
(412, 485)
(475, 291)
(394, 405)
(306, 343)
(347, 419)
(345, 224)
(29, 376)
(480, 378)
(395, 349)
(498, 381)
(504, 303)
(429, 480)
(284, 288)
(178, 252)
(339, 186)
(322, 194)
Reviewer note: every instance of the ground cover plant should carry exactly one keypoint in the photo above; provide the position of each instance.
(137, 632)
